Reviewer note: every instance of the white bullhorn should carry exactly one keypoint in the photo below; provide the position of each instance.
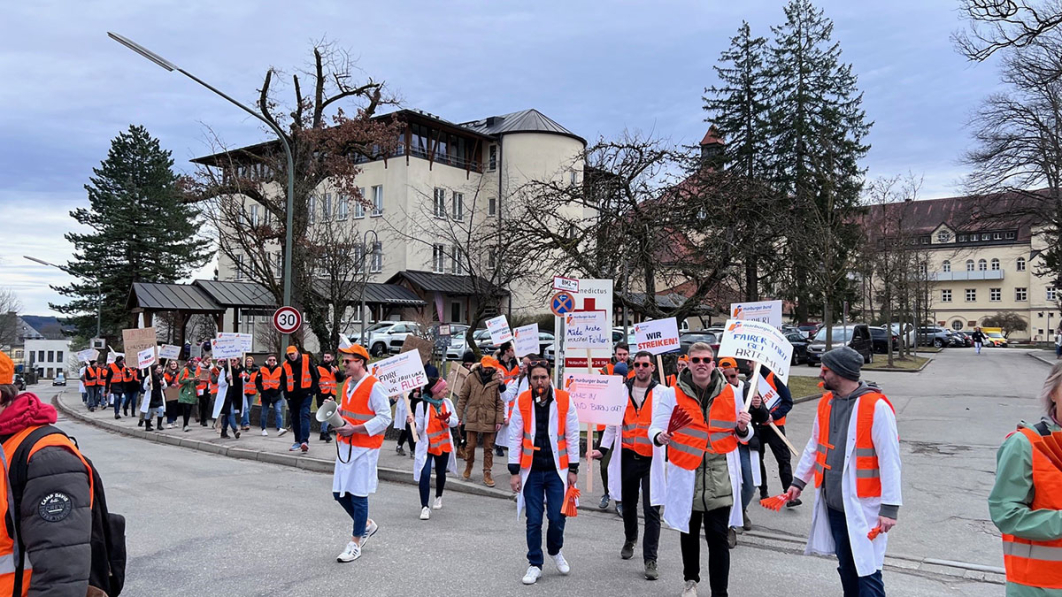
(329, 413)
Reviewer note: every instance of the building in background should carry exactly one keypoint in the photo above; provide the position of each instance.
(45, 346)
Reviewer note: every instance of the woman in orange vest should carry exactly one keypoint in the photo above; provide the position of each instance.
(173, 407)
(250, 389)
(434, 417)
(1026, 501)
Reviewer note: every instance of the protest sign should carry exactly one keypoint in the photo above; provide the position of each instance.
(657, 337)
(246, 340)
(195, 351)
(400, 374)
(770, 395)
(424, 347)
(137, 339)
(499, 330)
(758, 342)
(87, 355)
(525, 340)
(145, 358)
(169, 351)
(112, 356)
(226, 347)
(456, 379)
(598, 399)
(586, 329)
(769, 312)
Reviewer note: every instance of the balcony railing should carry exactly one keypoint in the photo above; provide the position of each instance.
(991, 274)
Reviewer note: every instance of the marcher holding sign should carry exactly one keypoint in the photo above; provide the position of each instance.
(400, 374)
(543, 467)
(779, 402)
(481, 410)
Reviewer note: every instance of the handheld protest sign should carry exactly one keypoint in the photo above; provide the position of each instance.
(658, 336)
(598, 400)
(757, 342)
(499, 330)
(525, 340)
(769, 312)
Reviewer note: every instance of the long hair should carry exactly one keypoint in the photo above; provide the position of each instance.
(1051, 385)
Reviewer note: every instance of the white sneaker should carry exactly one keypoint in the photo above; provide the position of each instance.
(351, 553)
(425, 513)
(370, 529)
(562, 564)
(282, 432)
(690, 590)
(533, 573)
(169, 425)
(438, 504)
(265, 433)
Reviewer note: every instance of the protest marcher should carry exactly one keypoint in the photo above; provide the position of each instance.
(326, 388)
(620, 366)
(1058, 343)
(203, 373)
(433, 418)
(543, 462)
(81, 385)
(979, 338)
(115, 385)
(857, 483)
(213, 389)
(156, 401)
(299, 382)
(250, 390)
(768, 438)
(704, 467)
(89, 378)
(134, 381)
(681, 363)
(513, 388)
(367, 413)
(468, 359)
(230, 392)
(401, 422)
(640, 465)
(172, 408)
(1026, 502)
(188, 397)
(750, 452)
(54, 525)
(480, 409)
(510, 367)
(269, 382)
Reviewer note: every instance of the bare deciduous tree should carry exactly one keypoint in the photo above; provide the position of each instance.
(996, 25)
(9, 323)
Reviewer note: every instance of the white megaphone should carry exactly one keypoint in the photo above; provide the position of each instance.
(329, 413)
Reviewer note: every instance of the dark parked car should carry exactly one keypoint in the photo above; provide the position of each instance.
(855, 336)
(935, 336)
(961, 339)
(880, 339)
(800, 346)
(810, 329)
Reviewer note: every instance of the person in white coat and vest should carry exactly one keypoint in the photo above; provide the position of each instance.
(434, 416)
(704, 467)
(367, 412)
(513, 388)
(640, 465)
(543, 462)
(854, 458)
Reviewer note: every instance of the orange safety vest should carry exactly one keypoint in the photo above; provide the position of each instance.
(523, 402)
(214, 373)
(250, 384)
(130, 375)
(171, 378)
(7, 543)
(868, 475)
(357, 411)
(717, 435)
(328, 380)
(117, 374)
(1036, 563)
(438, 432)
(770, 381)
(671, 379)
(307, 379)
(90, 377)
(202, 383)
(270, 379)
(635, 430)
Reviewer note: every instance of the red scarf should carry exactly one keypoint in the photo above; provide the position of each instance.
(24, 411)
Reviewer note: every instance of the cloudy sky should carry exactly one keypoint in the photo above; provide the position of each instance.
(598, 68)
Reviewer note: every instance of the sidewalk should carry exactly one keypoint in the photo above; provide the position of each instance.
(1047, 356)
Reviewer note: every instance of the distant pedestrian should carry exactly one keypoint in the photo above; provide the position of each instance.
(115, 385)
(326, 384)
(250, 390)
(269, 383)
(300, 382)
(979, 338)
(154, 397)
(230, 393)
(81, 385)
(173, 407)
(188, 398)
(433, 417)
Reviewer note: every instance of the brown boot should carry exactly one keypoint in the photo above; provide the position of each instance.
(487, 479)
(468, 470)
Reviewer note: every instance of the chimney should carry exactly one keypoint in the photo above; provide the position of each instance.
(712, 146)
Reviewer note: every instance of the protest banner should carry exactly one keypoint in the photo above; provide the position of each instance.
(769, 312)
(138, 339)
(598, 399)
(246, 340)
(88, 355)
(145, 358)
(499, 330)
(456, 379)
(400, 374)
(424, 347)
(587, 330)
(657, 337)
(525, 340)
(758, 342)
(226, 347)
(169, 351)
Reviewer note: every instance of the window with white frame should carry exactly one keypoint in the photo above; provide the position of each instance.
(280, 264)
(492, 207)
(969, 265)
(326, 207)
(923, 268)
(311, 209)
(986, 236)
(376, 261)
(492, 259)
(359, 255)
(457, 266)
(438, 259)
(1020, 264)
(343, 207)
(239, 266)
(1021, 294)
(982, 265)
(945, 296)
(946, 266)
(943, 236)
(440, 203)
(268, 217)
(459, 206)
(1012, 235)
(997, 236)
(995, 294)
(995, 264)
(254, 215)
(961, 238)
(492, 160)
(377, 200)
(971, 295)
(359, 207)
(1051, 294)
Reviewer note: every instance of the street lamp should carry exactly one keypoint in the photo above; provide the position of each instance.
(170, 67)
(99, 295)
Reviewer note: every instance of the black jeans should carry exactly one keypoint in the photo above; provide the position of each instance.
(716, 524)
(186, 412)
(407, 436)
(204, 408)
(781, 454)
(635, 471)
(439, 462)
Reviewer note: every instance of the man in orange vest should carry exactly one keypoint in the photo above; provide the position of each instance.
(853, 456)
(299, 382)
(367, 412)
(54, 523)
(269, 384)
(115, 380)
(250, 390)
(543, 465)
(326, 375)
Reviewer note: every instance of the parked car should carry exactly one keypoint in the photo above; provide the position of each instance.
(880, 340)
(810, 329)
(800, 346)
(59, 379)
(995, 337)
(363, 339)
(907, 337)
(962, 339)
(456, 348)
(687, 339)
(934, 336)
(388, 336)
(855, 336)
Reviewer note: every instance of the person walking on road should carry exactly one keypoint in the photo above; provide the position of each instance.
(115, 385)
(514, 386)
(230, 393)
(704, 467)
(250, 390)
(1026, 502)
(300, 381)
(153, 396)
(543, 462)
(640, 465)
(480, 409)
(367, 413)
(269, 382)
(749, 453)
(979, 338)
(620, 366)
(433, 418)
(853, 456)
(189, 395)
(781, 404)
(204, 373)
(172, 407)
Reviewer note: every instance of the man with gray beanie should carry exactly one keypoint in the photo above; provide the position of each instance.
(853, 456)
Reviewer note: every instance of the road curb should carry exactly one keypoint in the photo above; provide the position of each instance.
(1041, 359)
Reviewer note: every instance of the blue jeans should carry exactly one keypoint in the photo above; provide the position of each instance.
(357, 508)
(748, 489)
(440, 460)
(93, 397)
(300, 424)
(539, 485)
(130, 398)
(84, 397)
(852, 584)
(278, 414)
(117, 402)
(245, 420)
(227, 421)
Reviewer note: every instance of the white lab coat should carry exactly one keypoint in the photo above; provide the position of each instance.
(223, 388)
(861, 513)
(754, 455)
(421, 453)
(401, 413)
(512, 389)
(516, 438)
(612, 439)
(357, 476)
(678, 503)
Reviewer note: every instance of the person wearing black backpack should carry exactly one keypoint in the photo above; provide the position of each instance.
(57, 503)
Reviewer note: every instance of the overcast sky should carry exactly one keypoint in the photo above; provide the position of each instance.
(595, 67)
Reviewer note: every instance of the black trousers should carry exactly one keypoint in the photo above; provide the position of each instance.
(186, 412)
(204, 408)
(716, 525)
(635, 472)
(781, 454)
(406, 435)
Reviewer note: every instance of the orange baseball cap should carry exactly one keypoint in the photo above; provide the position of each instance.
(292, 350)
(685, 358)
(727, 363)
(356, 350)
(487, 362)
(7, 370)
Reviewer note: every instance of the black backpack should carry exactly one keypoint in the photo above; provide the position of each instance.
(107, 572)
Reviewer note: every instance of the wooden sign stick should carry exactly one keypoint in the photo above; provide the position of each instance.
(660, 369)
(784, 439)
(752, 385)
(589, 435)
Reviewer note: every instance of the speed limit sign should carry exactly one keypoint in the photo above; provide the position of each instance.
(287, 320)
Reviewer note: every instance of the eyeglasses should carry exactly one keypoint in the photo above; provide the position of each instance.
(642, 365)
(699, 360)
(542, 363)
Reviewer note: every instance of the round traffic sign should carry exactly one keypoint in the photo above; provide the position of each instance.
(287, 320)
(562, 303)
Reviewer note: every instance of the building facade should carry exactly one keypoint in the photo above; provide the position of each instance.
(47, 357)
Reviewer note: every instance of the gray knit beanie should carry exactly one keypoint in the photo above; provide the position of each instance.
(844, 361)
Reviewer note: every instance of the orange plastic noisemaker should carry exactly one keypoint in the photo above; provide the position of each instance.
(774, 503)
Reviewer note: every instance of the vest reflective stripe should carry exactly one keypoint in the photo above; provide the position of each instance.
(250, 385)
(270, 380)
(1036, 563)
(770, 381)
(438, 433)
(716, 435)
(868, 473)
(524, 403)
(357, 410)
(306, 379)
(327, 382)
(115, 374)
(635, 429)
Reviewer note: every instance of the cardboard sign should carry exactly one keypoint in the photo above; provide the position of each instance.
(88, 355)
(145, 358)
(598, 399)
(400, 374)
(499, 330)
(769, 312)
(657, 336)
(758, 342)
(138, 339)
(586, 329)
(770, 395)
(526, 340)
(565, 284)
(227, 347)
(169, 351)
(419, 344)
(456, 379)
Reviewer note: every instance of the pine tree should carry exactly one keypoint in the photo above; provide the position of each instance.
(817, 131)
(141, 232)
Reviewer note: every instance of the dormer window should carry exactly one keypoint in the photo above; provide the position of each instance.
(943, 236)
